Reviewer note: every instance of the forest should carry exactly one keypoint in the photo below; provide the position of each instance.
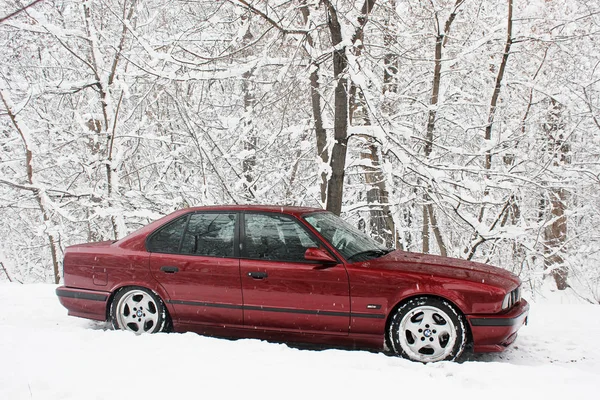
(465, 128)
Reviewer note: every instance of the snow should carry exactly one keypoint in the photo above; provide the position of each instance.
(44, 354)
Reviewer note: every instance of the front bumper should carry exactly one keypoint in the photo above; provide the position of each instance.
(495, 332)
(83, 303)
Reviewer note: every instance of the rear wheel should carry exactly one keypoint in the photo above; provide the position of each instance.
(427, 329)
(138, 310)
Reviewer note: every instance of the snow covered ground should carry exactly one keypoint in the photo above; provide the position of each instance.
(44, 354)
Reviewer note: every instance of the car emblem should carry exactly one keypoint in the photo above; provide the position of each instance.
(139, 313)
(427, 332)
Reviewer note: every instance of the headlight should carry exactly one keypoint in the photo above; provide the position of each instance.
(511, 298)
(506, 301)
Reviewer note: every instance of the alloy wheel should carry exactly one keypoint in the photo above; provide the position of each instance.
(427, 334)
(137, 312)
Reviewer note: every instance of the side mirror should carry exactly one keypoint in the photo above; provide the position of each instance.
(316, 254)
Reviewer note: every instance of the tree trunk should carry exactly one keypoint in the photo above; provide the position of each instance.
(320, 132)
(498, 86)
(105, 86)
(335, 185)
(39, 194)
(381, 222)
(425, 231)
(555, 237)
(315, 101)
(440, 41)
(494, 100)
(390, 60)
(249, 137)
(555, 233)
(95, 126)
(512, 205)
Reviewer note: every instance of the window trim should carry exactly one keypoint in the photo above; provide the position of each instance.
(160, 228)
(242, 235)
(332, 249)
(239, 235)
(235, 248)
(236, 234)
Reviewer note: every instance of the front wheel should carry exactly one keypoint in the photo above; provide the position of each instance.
(427, 329)
(138, 310)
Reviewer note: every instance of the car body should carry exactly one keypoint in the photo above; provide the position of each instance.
(291, 274)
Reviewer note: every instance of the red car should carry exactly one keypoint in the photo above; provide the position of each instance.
(291, 274)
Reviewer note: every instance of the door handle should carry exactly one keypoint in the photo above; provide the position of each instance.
(257, 275)
(169, 269)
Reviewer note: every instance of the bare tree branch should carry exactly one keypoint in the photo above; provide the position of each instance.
(20, 10)
(270, 20)
(5, 271)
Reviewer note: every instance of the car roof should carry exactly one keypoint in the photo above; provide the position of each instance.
(293, 210)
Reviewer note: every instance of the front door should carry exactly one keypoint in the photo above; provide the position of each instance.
(283, 291)
(194, 259)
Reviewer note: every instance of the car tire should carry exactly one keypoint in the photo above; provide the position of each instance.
(138, 310)
(427, 329)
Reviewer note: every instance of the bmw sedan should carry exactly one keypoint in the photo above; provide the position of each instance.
(291, 274)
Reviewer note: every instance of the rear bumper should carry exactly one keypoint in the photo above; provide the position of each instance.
(84, 303)
(493, 333)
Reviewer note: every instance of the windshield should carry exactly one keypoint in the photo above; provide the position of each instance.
(353, 244)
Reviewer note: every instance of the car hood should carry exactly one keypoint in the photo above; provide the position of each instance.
(443, 267)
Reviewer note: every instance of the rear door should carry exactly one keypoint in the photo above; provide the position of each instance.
(283, 291)
(195, 259)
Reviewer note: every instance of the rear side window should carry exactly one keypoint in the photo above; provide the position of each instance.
(209, 234)
(168, 238)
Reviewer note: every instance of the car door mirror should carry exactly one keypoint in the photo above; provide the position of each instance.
(316, 254)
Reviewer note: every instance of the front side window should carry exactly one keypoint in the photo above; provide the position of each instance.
(353, 244)
(209, 234)
(276, 237)
(168, 238)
